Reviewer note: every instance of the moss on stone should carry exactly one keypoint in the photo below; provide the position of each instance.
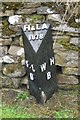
(12, 5)
(66, 44)
(24, 17)
(12, 68)
(72, 23)
(35, 18)
(49, 4)
(5, 28)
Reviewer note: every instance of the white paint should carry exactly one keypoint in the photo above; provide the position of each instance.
(48, 75)
(31, 76)
(35, 37)
(43, 67)
(41, 36)
(24, 28)
(35, 27)
(52, 61)
(32, 67)
(44, 26)
(27, 63)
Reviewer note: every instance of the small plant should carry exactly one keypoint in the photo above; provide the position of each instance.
(22, 96)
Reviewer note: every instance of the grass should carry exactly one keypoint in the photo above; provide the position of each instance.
(0, 111)
(20, 112)
(63, 114)
(15, 112)
(22, 96)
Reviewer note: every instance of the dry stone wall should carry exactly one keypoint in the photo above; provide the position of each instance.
(12, 58)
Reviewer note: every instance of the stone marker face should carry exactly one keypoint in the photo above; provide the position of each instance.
(40, 61)
(35, 34)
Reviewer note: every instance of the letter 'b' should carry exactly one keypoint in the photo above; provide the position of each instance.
(48, 75)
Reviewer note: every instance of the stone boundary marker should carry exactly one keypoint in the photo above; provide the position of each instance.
(40, 61)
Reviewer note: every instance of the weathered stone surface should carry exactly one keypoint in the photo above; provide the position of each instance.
(8, 82)
(60, 59)
(32, 5)
(71, 63)
(0, 65)
(57, 47)
(14, 70)
(6, 13)
(5, 41)
(65, 28)
(74, 41)
(3, 50)
(14, 19)
(0, 33)
(16, 50)
(77, 20)
(23, 61)
(7, 59)
(0, 25)
(65, 79)
(70, 71)
(15, 28)
(26, 11)
(72, 55)
(58, 36)
(64, 57)
(1, 7)
(16, 41)
(20, 52)
(68, 87)
(21, 41)
(44, 10)
(72, 34)
(54, 17)
(24, 80)
(0, 80)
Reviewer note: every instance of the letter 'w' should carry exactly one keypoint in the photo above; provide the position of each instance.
(43, 67)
